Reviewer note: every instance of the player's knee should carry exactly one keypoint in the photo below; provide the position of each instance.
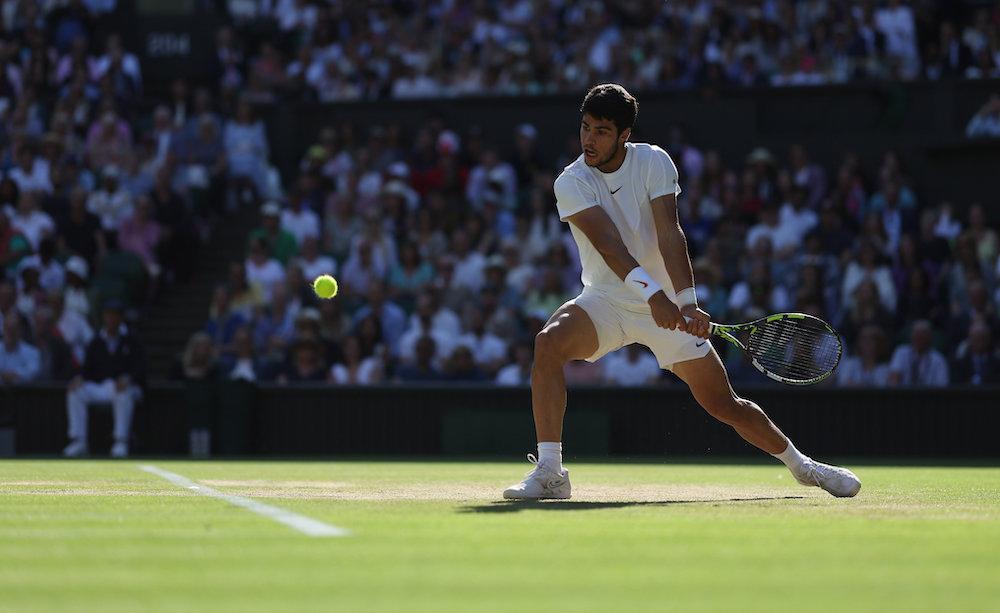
(548, 346)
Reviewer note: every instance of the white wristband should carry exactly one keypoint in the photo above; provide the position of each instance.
(639, 281)
(686, 297)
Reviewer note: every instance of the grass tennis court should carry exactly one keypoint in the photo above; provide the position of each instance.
(433, 536)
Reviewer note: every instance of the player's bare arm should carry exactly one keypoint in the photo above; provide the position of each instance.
(604, 236)
(673, 247)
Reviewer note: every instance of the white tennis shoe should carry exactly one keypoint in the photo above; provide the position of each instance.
(840, 482)
(540, 483)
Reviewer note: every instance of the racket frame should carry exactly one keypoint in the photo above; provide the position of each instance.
(727, 331)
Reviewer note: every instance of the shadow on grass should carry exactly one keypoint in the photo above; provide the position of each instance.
(515, 506)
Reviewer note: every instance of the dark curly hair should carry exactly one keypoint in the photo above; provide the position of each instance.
(613, 102)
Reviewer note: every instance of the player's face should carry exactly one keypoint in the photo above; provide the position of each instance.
(600, 140)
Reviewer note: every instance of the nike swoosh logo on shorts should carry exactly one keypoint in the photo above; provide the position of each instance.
(643, 283)
(614, 191)
(700, 344)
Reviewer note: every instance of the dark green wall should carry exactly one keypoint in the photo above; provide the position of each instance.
(323, 420)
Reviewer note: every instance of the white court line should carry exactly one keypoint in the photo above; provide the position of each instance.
(305, 525)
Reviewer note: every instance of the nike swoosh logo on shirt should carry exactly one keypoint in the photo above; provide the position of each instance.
(614, 191)
(700, 344)
(643, 283)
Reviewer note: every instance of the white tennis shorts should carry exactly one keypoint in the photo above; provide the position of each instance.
(617, 326)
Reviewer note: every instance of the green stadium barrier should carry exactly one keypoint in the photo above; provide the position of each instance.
(277, 420)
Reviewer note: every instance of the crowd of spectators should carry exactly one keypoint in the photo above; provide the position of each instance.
(330, 51)
(106, 195)
(450, 257)
(447, 247)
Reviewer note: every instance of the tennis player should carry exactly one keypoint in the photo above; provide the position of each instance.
(620, 200)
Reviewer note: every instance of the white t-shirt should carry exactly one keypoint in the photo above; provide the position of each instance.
(322, 265)
(486, 349)
(35, 226)
(647, 173)
(366, 375)
(268, 275)
(301, 225)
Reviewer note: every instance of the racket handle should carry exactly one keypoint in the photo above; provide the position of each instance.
(711, 325)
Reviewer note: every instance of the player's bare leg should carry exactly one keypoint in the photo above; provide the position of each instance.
(709, 383)
(568, 335)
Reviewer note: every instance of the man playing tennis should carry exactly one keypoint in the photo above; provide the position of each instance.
(620, 200)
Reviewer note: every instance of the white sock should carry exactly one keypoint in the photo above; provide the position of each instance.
(550, 455)
(792, 458)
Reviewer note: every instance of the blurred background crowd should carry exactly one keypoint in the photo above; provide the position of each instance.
(359, 50)
(447, 246)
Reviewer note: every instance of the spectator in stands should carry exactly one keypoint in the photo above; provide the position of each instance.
(422, 368)
(489, 351)
(986, 122)
(307, 363)
(355, 370)
(867, 267)
(223, 321)
(29, 292)
(31, 173)
(109, 141)
(75, 292)
(631, 367)
(262, 270)
(120, 275)
(918, 363)
(56, 356)
(31, 222)
(240, 362)
(549, 294)
(141, 234)
(198, 369)
(461, 366)
(362, 270)
(977, 361)
(275, 322)
(757, 295)
(246, 147)
(113, 372)
(312, 262)
(244, 295)
(282, 244)
(73, 327)
(299, 221)
(13, 245)
(112, 203)
(79, 230)
(52, 275)
(20, 361)
(391, 317)
(985, 238)
(469, 263)
(868, 366)
(409, 276)
(518, 372)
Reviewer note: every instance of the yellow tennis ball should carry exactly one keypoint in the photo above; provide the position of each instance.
(325, 286)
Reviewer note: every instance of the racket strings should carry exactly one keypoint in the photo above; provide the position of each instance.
(795, 349)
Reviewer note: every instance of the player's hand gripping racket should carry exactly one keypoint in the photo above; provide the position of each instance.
(793, 348)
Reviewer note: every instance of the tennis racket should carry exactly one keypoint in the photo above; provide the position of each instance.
(793, 348)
